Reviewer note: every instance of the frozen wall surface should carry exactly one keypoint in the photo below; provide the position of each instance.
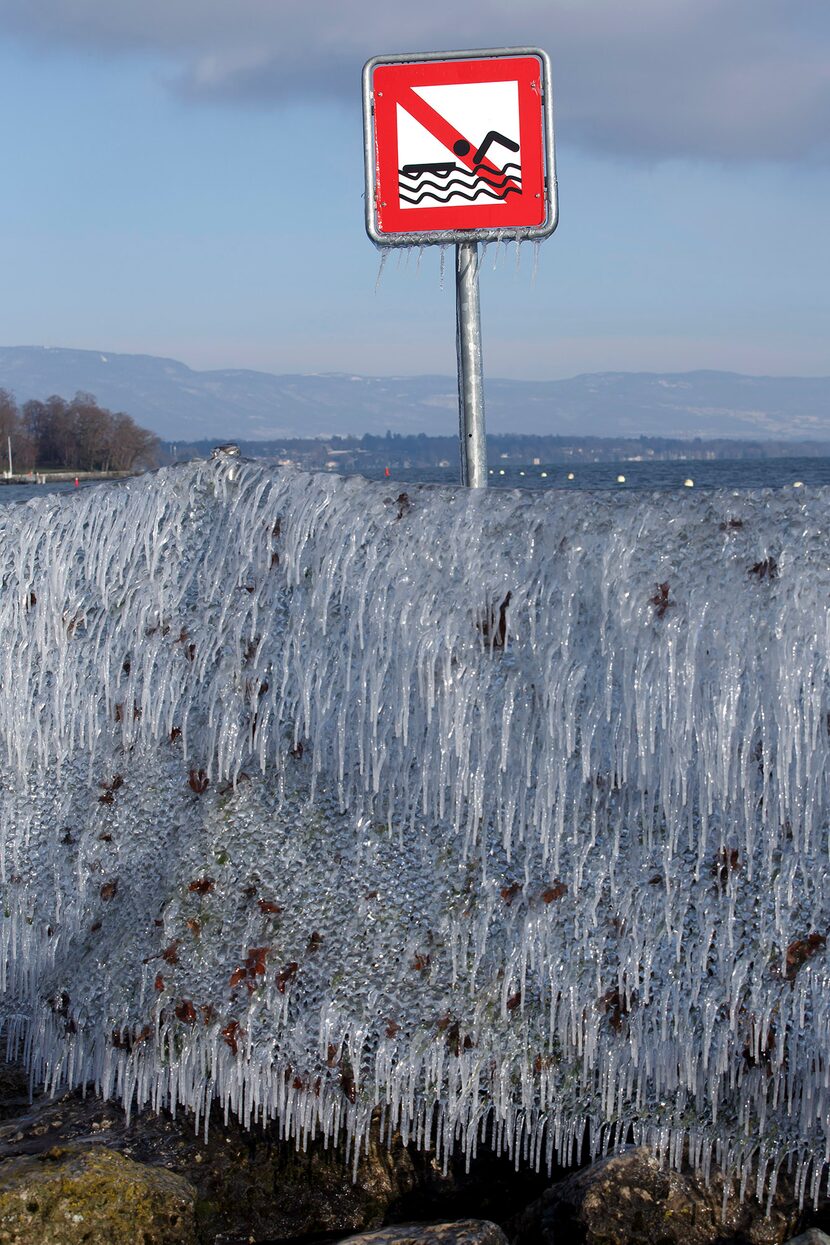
(505, 814)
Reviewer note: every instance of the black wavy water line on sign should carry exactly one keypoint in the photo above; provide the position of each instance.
(458, 182)
(460, 169)
(511, 164)
(447, 190)
(461, 181)
(459, 194)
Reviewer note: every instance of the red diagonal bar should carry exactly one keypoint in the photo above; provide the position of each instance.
(440, 128)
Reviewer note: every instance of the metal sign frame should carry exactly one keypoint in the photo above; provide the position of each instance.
(488, 233)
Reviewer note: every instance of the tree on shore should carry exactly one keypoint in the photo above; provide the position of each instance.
(12, 430)
(76, 435)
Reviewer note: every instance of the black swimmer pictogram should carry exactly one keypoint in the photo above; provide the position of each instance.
(447, 182)
(462, 147)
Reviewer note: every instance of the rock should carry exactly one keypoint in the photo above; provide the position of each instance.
(92, 1196)
(462, 1232)
(629, 1199)
(247, 1182)
(813, 1236)
(250, 1183)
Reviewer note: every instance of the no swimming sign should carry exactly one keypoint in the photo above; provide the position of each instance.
(459, 147)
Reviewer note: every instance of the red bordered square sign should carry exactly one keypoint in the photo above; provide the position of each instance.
(459, 147)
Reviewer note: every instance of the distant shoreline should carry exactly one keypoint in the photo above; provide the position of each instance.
(62, 477)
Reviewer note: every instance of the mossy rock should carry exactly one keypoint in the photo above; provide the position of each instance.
(632, 1199)
(93, 1196)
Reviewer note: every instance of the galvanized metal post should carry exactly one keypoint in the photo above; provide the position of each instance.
(470, 374)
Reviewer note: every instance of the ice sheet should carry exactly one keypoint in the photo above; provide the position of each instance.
(503, 813)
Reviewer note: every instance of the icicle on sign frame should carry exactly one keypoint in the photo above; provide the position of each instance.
(459, 147)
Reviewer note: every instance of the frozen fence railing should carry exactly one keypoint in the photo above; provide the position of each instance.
(506, 814)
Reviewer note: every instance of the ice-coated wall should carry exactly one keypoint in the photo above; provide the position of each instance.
(505, 813)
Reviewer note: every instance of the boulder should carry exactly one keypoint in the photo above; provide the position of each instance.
(462, 1232)
(246, 1182)
(630, 1199)
(90, 1195)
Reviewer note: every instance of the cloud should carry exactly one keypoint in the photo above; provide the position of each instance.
(654, 79)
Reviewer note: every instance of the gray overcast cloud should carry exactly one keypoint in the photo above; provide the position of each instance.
(722, 79)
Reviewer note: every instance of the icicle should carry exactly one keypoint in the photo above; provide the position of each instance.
(382, 259)
(537, 251)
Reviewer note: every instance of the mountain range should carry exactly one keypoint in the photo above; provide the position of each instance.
(181, 404)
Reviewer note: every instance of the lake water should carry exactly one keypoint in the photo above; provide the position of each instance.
(25, 492)
(638, 476)
(722, 473)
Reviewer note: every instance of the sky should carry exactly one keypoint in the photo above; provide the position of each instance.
(185, 178)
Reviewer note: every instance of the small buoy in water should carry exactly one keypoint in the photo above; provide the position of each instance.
(570, 475)
(544, 475)
(521, 473)
(688, 483)
(620, 479)
(501, 471)
(798, 484)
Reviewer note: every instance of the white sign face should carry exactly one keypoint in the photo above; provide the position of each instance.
(431, 172)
